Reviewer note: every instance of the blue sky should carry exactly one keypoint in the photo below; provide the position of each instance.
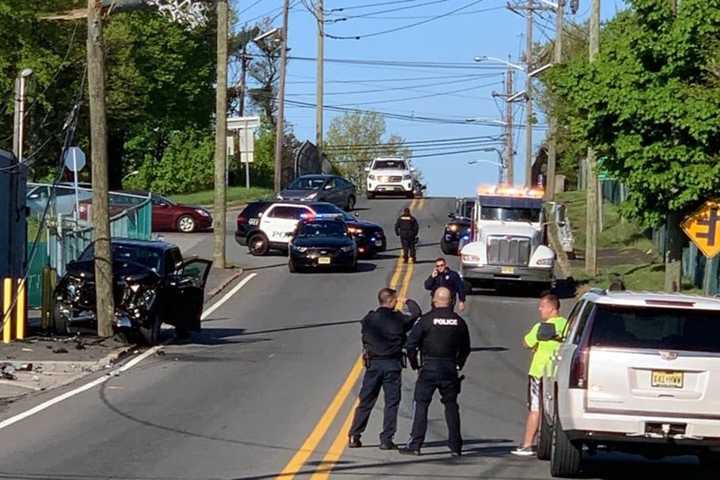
(477, 28)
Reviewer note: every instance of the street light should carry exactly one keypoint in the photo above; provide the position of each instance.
(269, 33)
(531, 73)
(131, 174)
(19, 133)
(486, 121)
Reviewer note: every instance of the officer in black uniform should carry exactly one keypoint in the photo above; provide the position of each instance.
(383, 335)
(442, 276)
(442, 338)
(406, 227)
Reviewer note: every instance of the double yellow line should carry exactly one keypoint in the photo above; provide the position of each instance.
(339, 444)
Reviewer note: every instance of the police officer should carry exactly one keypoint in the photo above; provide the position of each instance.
(442, 338)
(442, 276)
(383, 335)
(406, 227)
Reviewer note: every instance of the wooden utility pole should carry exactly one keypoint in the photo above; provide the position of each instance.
(320, 77)
(220, 136)
(529, 97)
(280, 123)
(593, 211)
(99, 158)
(552, 144)
(509, 147)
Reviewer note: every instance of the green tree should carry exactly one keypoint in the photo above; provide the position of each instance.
(650, 105)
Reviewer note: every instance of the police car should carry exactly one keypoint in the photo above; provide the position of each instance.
(264, 226)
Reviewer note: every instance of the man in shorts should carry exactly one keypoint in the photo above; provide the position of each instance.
(549, 309)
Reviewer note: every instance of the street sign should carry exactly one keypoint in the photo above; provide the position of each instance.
(74, 159)
(703, 228)
(247, 145)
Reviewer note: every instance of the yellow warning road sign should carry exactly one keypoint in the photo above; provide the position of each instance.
(703, 228)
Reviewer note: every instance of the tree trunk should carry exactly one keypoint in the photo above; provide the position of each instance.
(673, 255)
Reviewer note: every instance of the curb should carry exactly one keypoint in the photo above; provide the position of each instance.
(216, 291)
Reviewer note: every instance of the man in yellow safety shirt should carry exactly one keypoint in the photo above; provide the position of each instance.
(549, 308)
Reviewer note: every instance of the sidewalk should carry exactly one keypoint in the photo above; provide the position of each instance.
(43, 363)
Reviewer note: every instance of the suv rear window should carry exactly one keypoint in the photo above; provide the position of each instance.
(253, 209)
(656, 329)
(389, 165)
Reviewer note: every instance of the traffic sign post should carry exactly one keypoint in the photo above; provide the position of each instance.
(75, 161)
(703, 229)
(244, 127)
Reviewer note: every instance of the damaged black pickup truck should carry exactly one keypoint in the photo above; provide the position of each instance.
(152, 285)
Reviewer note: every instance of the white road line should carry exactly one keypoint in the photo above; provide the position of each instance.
(127, 366)
(227, 296)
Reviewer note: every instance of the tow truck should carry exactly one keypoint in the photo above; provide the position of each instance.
(507, 240)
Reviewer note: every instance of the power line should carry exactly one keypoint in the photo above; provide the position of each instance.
(390, 89)
(421, 17)
(418, 97)
(425, 155)
(391, 10)
(407, 142)
(249, 7)
(408, 64)
(403, 79)
(404, 27)
(370, 5)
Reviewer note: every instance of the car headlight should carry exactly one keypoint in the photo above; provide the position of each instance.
(407, 177)
(134, 287)
(354, 230)
(470, 259)
(312, 196)
(202, 212)
(280, 197)
(347, 248)
(545, 261)
(371, 177)
(453, 228)
(300, 249)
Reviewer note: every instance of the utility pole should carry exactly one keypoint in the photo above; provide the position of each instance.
(19, 120)
(320, 77)
(243, 86)
(99, 154)
(552, 144)
(529, 96)
(509, 148)
(593, 211)
(280, 123)
(220, 136)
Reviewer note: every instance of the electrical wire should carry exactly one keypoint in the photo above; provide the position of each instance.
(390, 89)
(425, 155)
(371, 5)
(421, 17)
(408, 64)
(418, 97)
(249, 7)
(404, 27)
(435, 140)
(404, 79)
(392, 10)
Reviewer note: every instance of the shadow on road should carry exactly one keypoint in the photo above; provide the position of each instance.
(489, 349)
(300, 327)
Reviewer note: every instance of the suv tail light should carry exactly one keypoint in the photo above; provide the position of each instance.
(241, 220)
(579, 368)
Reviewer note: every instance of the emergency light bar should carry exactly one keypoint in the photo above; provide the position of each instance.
(510, 191)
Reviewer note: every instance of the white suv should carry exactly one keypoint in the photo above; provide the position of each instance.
(390, 176)
(636, 372)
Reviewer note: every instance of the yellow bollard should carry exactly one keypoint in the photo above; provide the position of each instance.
(7, 303)
(20, 311)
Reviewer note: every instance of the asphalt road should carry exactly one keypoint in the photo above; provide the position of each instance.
(267, 390)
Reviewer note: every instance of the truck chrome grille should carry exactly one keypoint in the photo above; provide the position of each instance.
(508, 250)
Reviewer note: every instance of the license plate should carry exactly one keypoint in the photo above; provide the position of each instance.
(254, 221)
(324, 261)
(378, 243)
(665, 379)
(507, 270)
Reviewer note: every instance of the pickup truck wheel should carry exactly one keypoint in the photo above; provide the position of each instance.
(565, 456)
(258, 245)
(544, 437)
(150, 330)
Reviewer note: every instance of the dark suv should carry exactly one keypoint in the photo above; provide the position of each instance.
(321, 188)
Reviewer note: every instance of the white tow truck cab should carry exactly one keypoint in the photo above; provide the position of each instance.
(390, 176)
(507, 239)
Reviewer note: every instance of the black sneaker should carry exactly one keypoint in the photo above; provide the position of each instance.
(389, 445)
(354, 442)
(409, 451)
(456, 453)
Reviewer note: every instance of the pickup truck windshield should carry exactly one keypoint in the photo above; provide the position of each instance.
(389, 165)
(510, 214)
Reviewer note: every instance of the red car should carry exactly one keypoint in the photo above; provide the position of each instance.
(167, 216)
